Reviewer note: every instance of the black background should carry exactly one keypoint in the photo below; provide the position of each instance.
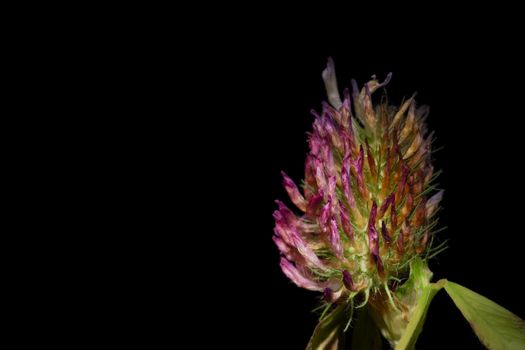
(222, 96)
(258, 82)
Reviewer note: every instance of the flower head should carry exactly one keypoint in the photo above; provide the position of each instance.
(366, 209)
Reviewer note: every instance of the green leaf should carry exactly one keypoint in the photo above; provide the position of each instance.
(366, 335)
(415, 326)
(495, 326)
(329, 334)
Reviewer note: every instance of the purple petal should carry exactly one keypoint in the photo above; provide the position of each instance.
(345, 180)
(328, 160)
(315, 114)
(333, 133)
(296, 196)
(315, 144)
(379, 263)
(332, 181)
(328, 294)
(288, 251)
(297, 277)
(285, 214)
(278, 216)
(318, 127)
(334, 205)
(373, 239)
(373, 214)
(313, 204)
(286, 219)
(283, 231)
(282, 246)
(335, 239)
(385, 233)
(305, 251)
(329, 111)
(320, 177)
(292, 245)
(348, 281)
(347, 226)
(325, 214)
(358, 163)
(345, 166)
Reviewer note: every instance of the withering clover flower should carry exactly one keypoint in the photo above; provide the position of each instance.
(367, 200)
(367, 225)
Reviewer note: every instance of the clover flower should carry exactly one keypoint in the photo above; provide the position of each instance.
(367, 223)
(368, 202)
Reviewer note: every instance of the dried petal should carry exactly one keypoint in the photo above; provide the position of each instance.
(433, 203)
(309, 177)
(393, 216)
(330, 83)
(370, 115)
(371, 161)
(346, 112)
(386, 203)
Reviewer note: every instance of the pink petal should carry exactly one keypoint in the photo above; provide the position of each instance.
(297, 277)
(296, 196)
